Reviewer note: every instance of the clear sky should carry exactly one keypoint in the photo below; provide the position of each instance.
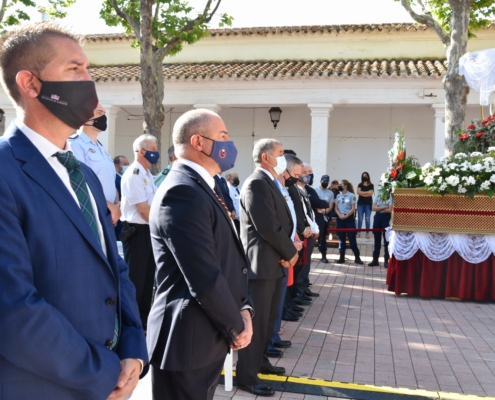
(84, 15)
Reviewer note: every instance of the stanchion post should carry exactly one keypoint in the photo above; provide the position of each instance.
(228, 366)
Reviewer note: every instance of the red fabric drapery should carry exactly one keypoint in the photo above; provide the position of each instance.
(454, 277)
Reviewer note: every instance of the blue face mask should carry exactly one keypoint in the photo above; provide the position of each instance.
(124, 168)
(224, 153)
(305, 179)
(152, 156)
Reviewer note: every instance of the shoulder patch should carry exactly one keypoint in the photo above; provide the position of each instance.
(136, 171)
(354, 198)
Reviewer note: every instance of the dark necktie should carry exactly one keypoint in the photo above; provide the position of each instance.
(237, 191)
(78, 183)
(218, 193)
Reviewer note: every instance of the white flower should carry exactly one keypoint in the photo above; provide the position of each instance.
(443, 159)
(485, 185)
(425, 167)
(489, 159)
(461, 190)
(469, 180)
(490, 149)
(411, 175)
(437, 171)
(442, 187)
(394, 184)
(453, 165)
(492, 178)
(440, 179)
(452, 180)
(476, 167)
(476, 154)
(429, 179)
(460, 155)
(421, 177)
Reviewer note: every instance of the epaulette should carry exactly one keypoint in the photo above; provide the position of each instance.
(74, 136)
(136, 171)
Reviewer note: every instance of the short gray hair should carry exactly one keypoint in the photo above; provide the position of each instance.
(171, 152)
(193, 122)
(292, 161)
(141, 141)
(263, 146)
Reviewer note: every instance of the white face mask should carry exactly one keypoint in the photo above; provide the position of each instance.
(281, 164)
(124, 168)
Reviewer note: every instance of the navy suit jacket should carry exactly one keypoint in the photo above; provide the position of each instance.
(201, 275)
(59, 293)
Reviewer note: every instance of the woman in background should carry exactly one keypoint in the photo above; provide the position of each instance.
(365, 192)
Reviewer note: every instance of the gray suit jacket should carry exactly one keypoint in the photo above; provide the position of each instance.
(266, 226)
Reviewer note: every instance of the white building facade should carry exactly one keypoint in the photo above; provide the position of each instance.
(343, 91)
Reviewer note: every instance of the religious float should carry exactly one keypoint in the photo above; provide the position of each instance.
(442, 241)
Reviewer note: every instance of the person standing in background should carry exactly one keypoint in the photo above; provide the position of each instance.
(324, 193)
(365, 192)
(233, 182)
(88, 149)
(138, 190)
(121, 163)
(171, 159)
(383, 210)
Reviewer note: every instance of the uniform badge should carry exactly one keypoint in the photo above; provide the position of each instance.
(136, 171)
(92, 150)
(145, 181)
(354, 198)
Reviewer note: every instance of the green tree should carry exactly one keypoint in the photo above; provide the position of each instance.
(161, 27)
(15, 12)
(454, 21)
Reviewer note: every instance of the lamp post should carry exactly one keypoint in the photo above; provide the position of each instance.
(275, 115)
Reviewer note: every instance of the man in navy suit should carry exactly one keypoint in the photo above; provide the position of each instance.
(201, 305)
(69, 322)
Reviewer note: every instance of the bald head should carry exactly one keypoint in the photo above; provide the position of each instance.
(194, 122)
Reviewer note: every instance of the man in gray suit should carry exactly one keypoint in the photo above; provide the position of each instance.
(266, 228)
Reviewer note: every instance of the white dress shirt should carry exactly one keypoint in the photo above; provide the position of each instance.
(47, 150)
(236, 199)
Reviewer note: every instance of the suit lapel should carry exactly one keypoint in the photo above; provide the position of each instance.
(43, 174)
(277, 190)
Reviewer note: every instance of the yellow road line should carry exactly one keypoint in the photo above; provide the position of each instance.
(370, 388)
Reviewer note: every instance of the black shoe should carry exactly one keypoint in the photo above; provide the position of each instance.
(294, 313)
(302, 296)
(283, 344)
(297, 309)
(289, 317)
(273, 370)
(341, 260)
(309, 293)
(374, 263)
(273, 353)
(324, 258)
(385, 264)
(259, 390)
(357, 260)
(300, 302)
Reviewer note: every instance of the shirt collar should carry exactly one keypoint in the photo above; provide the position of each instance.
(44, 146)
(270, 175)
(85, 138)
(200, 170)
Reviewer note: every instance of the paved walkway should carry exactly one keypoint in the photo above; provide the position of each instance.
(358, 332)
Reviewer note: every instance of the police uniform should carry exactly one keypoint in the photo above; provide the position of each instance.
(96, 157)
(138, 186)
(344, 202)
(381, 220)
(327, 195)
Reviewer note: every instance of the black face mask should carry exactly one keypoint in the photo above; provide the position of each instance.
(235, 182)
(311, 180)
(324, 185)
(72, 102)
(290, 181)
(99, 123)
(341, 188)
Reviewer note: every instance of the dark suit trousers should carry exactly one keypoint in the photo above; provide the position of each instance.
(265, 294)
(138, 255)
(301, 273)
(198, 384)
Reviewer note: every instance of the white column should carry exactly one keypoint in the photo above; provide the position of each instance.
(212, 107)
(439, 136)
(107, 138)
(9, 116)
(319, 138)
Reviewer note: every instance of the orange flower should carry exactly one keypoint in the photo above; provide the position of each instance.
(401, 155)
(393, 173)
(479, 134)
(400, 167)
(464, 136)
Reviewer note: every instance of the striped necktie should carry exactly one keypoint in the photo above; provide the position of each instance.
(218, 193)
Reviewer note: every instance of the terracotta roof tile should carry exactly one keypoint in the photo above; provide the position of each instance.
(279, 70)
(289, 30)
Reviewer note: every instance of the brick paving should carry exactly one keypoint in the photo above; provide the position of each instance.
(358, 332)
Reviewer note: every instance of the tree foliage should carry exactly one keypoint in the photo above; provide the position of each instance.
(15, 12)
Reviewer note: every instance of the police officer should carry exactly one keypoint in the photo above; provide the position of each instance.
(382, 211)
(322, 218)
(138, 190)
(233, 182)
(89, 150)
(345, 207)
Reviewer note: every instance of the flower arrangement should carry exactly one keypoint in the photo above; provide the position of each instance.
(461, 174)
(477, 137)
(403, 172)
